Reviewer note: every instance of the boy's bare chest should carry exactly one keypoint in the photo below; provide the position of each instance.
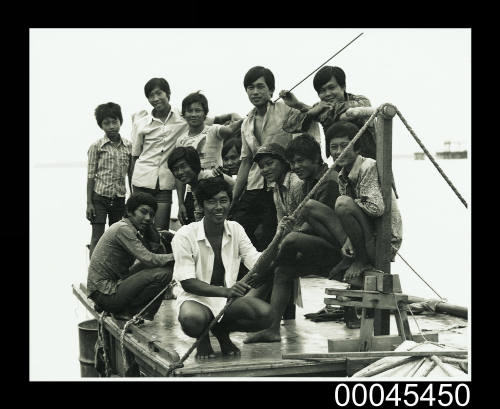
(257, 128)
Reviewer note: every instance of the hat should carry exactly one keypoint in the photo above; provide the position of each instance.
(273, 149)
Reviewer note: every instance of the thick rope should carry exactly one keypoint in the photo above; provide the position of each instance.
(133, 320)
(273, 245)
(101, 340)
(338, 52)
(430, 157)
(419, 276)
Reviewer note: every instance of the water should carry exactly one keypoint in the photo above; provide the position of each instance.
(436, 243)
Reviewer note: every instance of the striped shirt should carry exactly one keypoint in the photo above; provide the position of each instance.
(108, 165)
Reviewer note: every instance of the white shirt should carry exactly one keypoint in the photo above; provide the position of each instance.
(208, 143)
(194, 258)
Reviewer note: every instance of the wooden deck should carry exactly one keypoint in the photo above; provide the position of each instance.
(158, 343)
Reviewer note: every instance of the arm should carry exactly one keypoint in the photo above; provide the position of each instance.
(291, 100)
(221, 119)
(370, 192)
(91, 172)
(180, 188)
(241, 179)
(90, 203)
(226, 132)
(130, 171)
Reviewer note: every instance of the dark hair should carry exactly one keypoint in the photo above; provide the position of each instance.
(208, 188)
(342, 129)
(231, 143)
(325, 74)
(110, 110)
(192, 98)
(137, 199)
(255, 73)
(189, 154)
(304, 145)
(157, 82)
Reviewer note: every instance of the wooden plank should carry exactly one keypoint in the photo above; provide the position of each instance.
(379, 343)
(359, 293)
(367, 316)
(376, 354)
(380, 301)
(354, 365)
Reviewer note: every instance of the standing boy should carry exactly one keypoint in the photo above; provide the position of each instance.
(109, 161)
(253, 203)
(207, 260)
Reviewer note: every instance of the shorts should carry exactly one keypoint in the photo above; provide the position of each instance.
(161, 196)
(113, 208)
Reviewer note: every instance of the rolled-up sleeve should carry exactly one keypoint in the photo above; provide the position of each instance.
(247, 251)
(370, 194)
(137, 137)
(92, 161)
(126, 237)
(184, 266)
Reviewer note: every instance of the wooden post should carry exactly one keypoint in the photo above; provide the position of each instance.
(383, 131)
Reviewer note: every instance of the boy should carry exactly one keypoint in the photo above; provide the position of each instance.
(207, 259)
(303, 251)
(109, 161)
(207, 140)
(185, 165)
(253, 203)
(153, 139)
(360, 201)
(114, 282)
(330, 84)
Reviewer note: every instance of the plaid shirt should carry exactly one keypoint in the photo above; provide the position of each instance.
(108, 165)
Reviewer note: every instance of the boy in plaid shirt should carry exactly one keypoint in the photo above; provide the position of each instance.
(109, 161)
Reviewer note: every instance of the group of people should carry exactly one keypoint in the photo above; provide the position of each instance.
(237, 180)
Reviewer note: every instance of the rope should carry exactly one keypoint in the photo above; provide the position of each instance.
(338, 52)
(418, 326)
(430, 157)
(265, 254)
(419, 276)
(131, 321)
(100, 339)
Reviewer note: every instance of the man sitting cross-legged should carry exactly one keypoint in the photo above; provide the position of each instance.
(207, 257)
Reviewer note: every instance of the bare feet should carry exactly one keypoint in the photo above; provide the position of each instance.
(355, 270)
(204, 349)
(226, 345)
(336, 272)
(267, 335)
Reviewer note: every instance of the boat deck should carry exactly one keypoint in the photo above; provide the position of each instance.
(163, 337)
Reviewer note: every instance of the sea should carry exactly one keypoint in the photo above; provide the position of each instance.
(436, 244)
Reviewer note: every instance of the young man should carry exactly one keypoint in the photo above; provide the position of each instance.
(153, 138)
(114, 282)
(330, 84)
(207, 259)
(185, 165)
(303, 251)
(207, 140)
(253, 203)
(109, 161)
(361, 201)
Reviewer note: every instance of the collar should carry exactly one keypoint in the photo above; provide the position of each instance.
(252, 113)
(323, 168)
(354, 173)
(127, 221)
(105, 140)
(170, 114)
(200, 230)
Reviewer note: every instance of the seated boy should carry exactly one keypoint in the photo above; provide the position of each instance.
(361, 201)
(109, 161)
(207, 259)
(114, 282)
(184, 163)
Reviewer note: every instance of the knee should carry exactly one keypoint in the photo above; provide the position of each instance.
(162, 275)
(288, 243)
(283, 274)
(343, 205)
(192, 324)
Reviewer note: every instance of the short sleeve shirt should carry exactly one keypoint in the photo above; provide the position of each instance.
(208, 144)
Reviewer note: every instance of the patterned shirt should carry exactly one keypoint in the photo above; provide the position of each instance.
(272, 132)
(302, 121)
(108, 165)
(208, 143)
(116, 251)
(362, 184)
(194, 258)
(287, 195)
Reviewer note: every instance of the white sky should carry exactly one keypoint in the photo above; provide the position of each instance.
(426, 73)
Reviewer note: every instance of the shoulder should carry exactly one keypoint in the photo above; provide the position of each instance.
(234, 227)
(360, 99)
(140, 115)
(95, 145)
(186, 231)
(126, 142)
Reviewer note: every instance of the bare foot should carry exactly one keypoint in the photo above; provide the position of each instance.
(226, 345)
(204, 349)
(267, 335)
(355, 270)
(336, 272)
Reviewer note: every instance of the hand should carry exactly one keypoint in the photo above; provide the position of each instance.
(347, 249)
(90, 212)
(235, 117)
(289, 99)
(239, 289)
(319, 108)
(218, 171)
(151, 234)
(182, 215)
(286, 224)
